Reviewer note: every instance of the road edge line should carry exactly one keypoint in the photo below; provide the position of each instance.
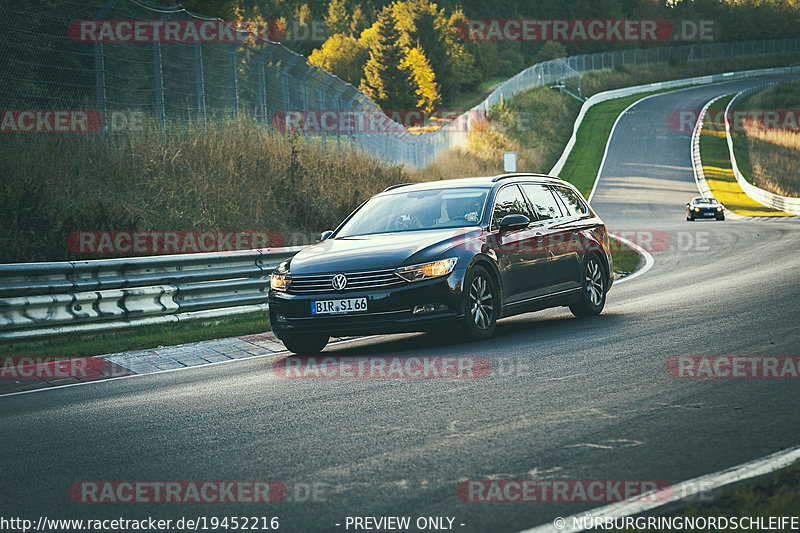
(647, 256)
(716, 480)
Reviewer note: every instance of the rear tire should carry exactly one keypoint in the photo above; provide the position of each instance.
(481, 304)
(593, 289)
(305, 344)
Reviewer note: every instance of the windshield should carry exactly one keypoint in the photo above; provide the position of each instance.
(418, 210)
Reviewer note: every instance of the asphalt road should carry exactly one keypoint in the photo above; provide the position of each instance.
(567, 398)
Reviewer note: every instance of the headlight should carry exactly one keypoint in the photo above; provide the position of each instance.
(697, 209)
(428, 270)
(279, 282)
(719, 209)
(280, 279)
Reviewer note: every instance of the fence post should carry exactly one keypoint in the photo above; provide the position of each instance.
(234, 91)
(262, 88)
(285, 78)
(322, 107)
(100, 84)
(199, 83)
(158, 77)
(101, 98)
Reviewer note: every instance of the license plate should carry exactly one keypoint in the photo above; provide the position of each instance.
(708, 214)
(339, 307)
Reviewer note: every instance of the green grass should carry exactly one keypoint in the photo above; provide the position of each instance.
(775, 495)
(626, 259)
(718, 170)
(778, 494)
(584, 160)
(139, 338)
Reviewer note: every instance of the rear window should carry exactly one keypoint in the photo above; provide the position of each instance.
(572, 201)
(542, 200)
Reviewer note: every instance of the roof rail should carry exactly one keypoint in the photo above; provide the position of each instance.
(390, 187)
(520, 174)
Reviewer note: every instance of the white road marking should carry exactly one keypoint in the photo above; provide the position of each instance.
(745, 471)
(648, 259)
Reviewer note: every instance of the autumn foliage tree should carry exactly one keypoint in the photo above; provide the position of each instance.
(385, 80)
(421, 79)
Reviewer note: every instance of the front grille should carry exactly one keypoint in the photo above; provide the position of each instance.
(356, 281)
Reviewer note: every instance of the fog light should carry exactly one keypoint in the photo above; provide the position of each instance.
(429, 308)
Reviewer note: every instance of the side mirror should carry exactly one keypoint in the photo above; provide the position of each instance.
(511, 222)
(324, 235)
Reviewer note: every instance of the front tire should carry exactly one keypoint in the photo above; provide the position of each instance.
(593, 289)
(305, 344)
(482, 303)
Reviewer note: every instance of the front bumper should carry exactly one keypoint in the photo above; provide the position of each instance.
(388, 310)
(708, 213)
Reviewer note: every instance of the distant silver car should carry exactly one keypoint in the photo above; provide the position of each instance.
(701, 207)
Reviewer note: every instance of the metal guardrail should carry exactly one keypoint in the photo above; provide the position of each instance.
(774, 201)
(39, 299)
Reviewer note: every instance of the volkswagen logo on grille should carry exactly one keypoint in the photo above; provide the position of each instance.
(339, 282)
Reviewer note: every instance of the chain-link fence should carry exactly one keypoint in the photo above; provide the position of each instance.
(130, 61)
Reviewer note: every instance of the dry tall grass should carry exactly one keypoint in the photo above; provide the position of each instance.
(774, 160)
(770, 158)
(241, 176)
(235, 176)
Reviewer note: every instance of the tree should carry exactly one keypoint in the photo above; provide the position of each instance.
(385, 81)
(423, 25)
(336, 19)
(343, 56)
(422, 80)
(358, 20)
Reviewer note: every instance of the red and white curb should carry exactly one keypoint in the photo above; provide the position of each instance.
(20, 375)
